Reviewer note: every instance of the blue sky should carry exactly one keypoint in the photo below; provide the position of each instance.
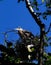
(13, 15)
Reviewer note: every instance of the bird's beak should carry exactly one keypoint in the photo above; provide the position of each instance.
(16, 29)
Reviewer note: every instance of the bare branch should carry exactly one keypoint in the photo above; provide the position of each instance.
(37, 19)
(48, 29)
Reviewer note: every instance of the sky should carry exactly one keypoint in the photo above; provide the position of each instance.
(13, 15)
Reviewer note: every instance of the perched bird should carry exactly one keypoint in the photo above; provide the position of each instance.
(27, 48)
(26, 36)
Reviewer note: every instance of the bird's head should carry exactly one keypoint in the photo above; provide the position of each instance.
(19, 29)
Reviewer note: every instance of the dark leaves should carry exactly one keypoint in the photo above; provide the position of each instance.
(2, 48)
(49, 54)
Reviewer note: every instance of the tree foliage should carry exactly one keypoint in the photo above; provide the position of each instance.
(28, 49)
(18, 53)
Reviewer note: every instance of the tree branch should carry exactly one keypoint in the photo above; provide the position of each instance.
(48, 29)
(37, 19)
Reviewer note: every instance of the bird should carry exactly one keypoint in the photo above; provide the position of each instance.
(29, 44)
(26, 36)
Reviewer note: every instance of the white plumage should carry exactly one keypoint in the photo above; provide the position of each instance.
(18, 29)
(29, 47)
(29, 57)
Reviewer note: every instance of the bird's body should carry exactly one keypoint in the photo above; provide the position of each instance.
(27, 47)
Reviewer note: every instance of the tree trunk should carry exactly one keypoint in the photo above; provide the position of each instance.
(41, 48)
(42, 31)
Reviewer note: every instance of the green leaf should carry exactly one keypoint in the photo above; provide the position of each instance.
(32, 6)
(45, 44)
(37, 8)
(44, 17)
(42, 1)
(45, 54)
(32, 49)
(46, 38)
(17, 60)
(48, 5)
